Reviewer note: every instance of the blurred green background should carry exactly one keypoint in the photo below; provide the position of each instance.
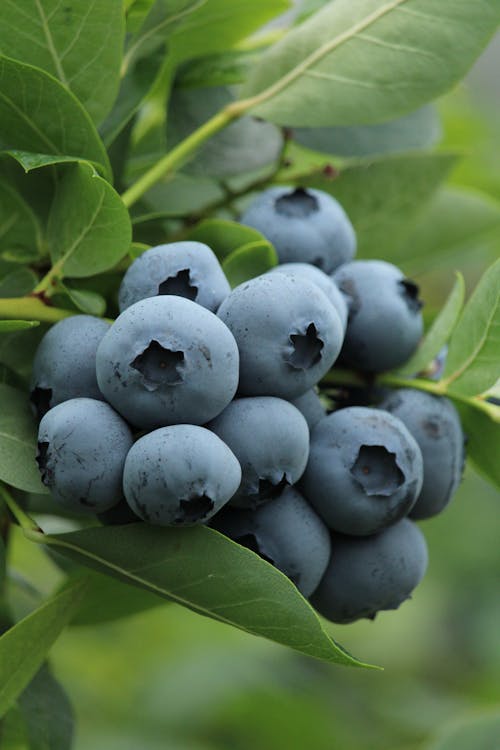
(170, 679)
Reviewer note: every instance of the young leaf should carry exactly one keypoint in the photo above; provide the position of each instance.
(86, 301)
(203, 570)
(9, 326)
(473, 363)
(19, 227)
(89, 227)
(73, 42)
(417, 130)
(224, 236)
(383, 197)
(18, 283)
(249, 261)
(47, 713)
(18, 437)
(38, 114)
(24, 647)
(369, 61)
(440, 331)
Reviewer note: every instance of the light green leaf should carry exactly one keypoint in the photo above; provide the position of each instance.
(89, 227)
(440, 331)
(205, 571)
(73, 42)
(48, 716)
(227, 68)
(180, 195)
(362, 62)
(87, 301)
(39, 115)
(18, 438)
(249, 261)
(473, 361)
(383, 197)
(417, 130)
(8, 326)
(475, 733)
(24, 647)
(18, 283)
(137, 248)
(224, 236)
(19, 227)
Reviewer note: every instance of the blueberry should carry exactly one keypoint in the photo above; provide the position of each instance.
(321, 279)
(385, 319)
(364, 470)
(434, 423)
(287, 332)
(64, 363)
(82, 445)
(304, 225)
(186, 269)
(270, 439)
(310, 406)
(369, 574)
(286, 532)
(167, 360)
(179, 475)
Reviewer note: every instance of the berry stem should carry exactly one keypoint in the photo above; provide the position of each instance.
(31, 308)
(28, 525)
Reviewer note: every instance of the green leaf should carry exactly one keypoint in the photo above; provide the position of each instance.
(383, 197)
(224, 236)
(440, 331)
(89, 227)
(473, 362)
(3, 566)
(8, 326)
(17, 348)
(418, 130)
(249, 261)
(12, 731)
(223, 69)
(454, 222)
(245, 145)
(19, 227)
(47, 713)
(31, 161)
(18, 283)
(18, 438)
(38, 114)
(73, 42)
(24, 647)
(369, 61)
(87, 301)
(216, 26)
(107, 599)
(203, 570)
(475, 733)
(180, 195)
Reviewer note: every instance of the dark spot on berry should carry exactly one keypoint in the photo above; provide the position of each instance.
(41, 398)
(376, 470)
(409, 291)
(180, 285)
(159, 366)
(306, 348)
(41, 459)
(194, 509)
(298, 204)
(250, 541)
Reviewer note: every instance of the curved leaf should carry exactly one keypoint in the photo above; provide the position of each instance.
(19, 227)
(224, 236)
(9, 326)
(249, 261)
(367, 61)
(80, 43)
(483, 438)
(47, 713)
(18, 437)
(205, 571)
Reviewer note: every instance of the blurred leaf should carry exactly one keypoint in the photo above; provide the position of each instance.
(18, 438)
(439, 332)
(476, 733)
(47, 713)
(472, 365)
(179, 196)
(224, 69)
(2, 560)
(418, 130)
(7, 375)
(12, 731)
(383, 197)
(41, 116)
(19, 230)
(89, 227)
(24, 647)
(245, 145)
(17, 348)
(362, 72)
(224, 236)
(137, 248)
(249, 261)
(8, 326)
(483, 439)
(87, 301)
(18, 283)
(73, 42)
(206, 572)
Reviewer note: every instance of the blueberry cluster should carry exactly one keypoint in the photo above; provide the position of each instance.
(199, 405)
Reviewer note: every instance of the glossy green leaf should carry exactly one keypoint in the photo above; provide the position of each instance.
(18, 283)
(249, 261)
(19, 227)
(418, 130)
(224, 236)
(38, 114)
(74, 42)
(479, 732)
(89, 227)
(47, 713)
(9, 326)
(369, 61)
(473, 361)
(203, 570)
(439, 332)
(31, 161)
(383, 197)
(24, 647)
(18, 438)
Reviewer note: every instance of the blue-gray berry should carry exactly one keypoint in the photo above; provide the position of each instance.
(310, 406)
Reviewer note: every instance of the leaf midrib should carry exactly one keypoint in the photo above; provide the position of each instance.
(50, 43)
